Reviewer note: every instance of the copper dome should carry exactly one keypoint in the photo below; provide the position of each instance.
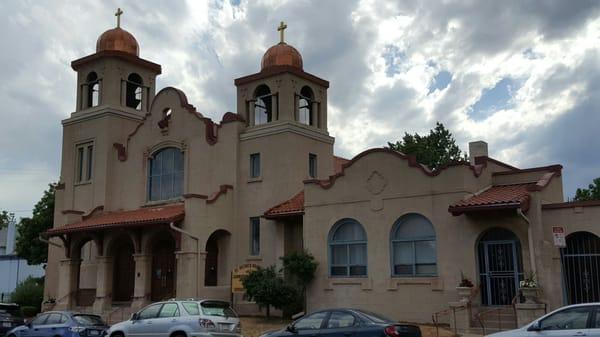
(118, 39)
(281, 54)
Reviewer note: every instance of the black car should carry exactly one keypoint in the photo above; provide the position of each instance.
(10, 316)
(346, 323)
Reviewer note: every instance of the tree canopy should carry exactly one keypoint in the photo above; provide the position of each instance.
(434, 150)
(590, 193)
(5, 218)
(27, 244)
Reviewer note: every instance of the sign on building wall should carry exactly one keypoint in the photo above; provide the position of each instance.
(558, 233)
(236, 277)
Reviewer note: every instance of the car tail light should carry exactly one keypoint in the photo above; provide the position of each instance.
(391, 331)
(206, 323)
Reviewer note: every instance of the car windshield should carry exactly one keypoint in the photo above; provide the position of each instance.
(217, 308)
(373, 317)
(10, 311)
(88, 320)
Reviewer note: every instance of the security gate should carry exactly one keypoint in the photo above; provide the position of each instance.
(581, 268)
(500, 267)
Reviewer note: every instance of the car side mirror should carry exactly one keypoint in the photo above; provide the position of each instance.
(135, 316)
(291, 328)
(535, 326)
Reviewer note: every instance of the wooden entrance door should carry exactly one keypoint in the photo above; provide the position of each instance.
(123, 273)
(212, 262)
(163, 271)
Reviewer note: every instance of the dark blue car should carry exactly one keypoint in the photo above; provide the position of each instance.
(61, 323)
(345, 323)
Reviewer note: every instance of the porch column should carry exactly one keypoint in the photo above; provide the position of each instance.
(104, 270)
(67, 283)
(190, 273)
(142, 288)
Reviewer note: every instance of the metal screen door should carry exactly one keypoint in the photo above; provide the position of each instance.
(581, 268)
(499, 272)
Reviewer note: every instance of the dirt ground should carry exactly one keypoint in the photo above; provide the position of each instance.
(255, 326)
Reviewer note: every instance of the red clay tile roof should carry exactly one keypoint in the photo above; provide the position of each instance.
(293, 206)
(338, 163)
(496, 197)
(137, 217)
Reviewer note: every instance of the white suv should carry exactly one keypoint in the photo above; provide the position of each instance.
(181, 318)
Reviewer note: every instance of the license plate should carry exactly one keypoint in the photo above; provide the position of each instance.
(93, 332)
(6, 324)
(224, 327)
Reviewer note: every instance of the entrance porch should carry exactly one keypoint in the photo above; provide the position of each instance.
(116, 263)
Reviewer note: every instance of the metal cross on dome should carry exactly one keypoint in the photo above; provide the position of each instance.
(281, 28)
(118, 15)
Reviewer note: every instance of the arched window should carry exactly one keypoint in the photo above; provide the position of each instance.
(348, 249)
(165, 176)
(413, 246)
(134, 91)
(93, 90)
(305, 110)
(263, 107)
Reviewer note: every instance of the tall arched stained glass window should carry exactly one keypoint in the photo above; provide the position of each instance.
(165, 178)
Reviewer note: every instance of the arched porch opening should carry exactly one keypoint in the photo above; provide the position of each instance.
(581, 268)
(86, 280)
(216, 272)
(500, 266)
(122, 249)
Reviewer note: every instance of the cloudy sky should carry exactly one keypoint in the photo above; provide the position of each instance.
(522, 75)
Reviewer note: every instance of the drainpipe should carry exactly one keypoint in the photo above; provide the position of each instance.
(530, 240)
(177, 229)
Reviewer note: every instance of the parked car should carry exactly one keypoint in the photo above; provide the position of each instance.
(10, 316)
(346, 323)
(572, 320)
(181, 318)
(61, 323)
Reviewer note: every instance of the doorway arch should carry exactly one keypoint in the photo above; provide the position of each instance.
(581, 268)
(216, 256)
(500, 266)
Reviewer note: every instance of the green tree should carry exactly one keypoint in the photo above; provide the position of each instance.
(590, 193)
(268, 289)
(434, 150)
(299, 268)
(5, 218)
(29, 293)
(27, 244)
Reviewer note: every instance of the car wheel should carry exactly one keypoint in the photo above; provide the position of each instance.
(12, 335)
(117, 334)
(179, 334)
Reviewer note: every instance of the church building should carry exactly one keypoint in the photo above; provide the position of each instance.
(157, 201)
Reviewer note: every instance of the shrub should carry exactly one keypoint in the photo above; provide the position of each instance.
(300, 269)
(29, 293)
(267, 288)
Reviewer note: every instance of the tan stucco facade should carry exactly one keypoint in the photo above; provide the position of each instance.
(88, 267)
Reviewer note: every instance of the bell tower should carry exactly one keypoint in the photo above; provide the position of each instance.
(283, 91)
(115, 76)
(115, 88)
